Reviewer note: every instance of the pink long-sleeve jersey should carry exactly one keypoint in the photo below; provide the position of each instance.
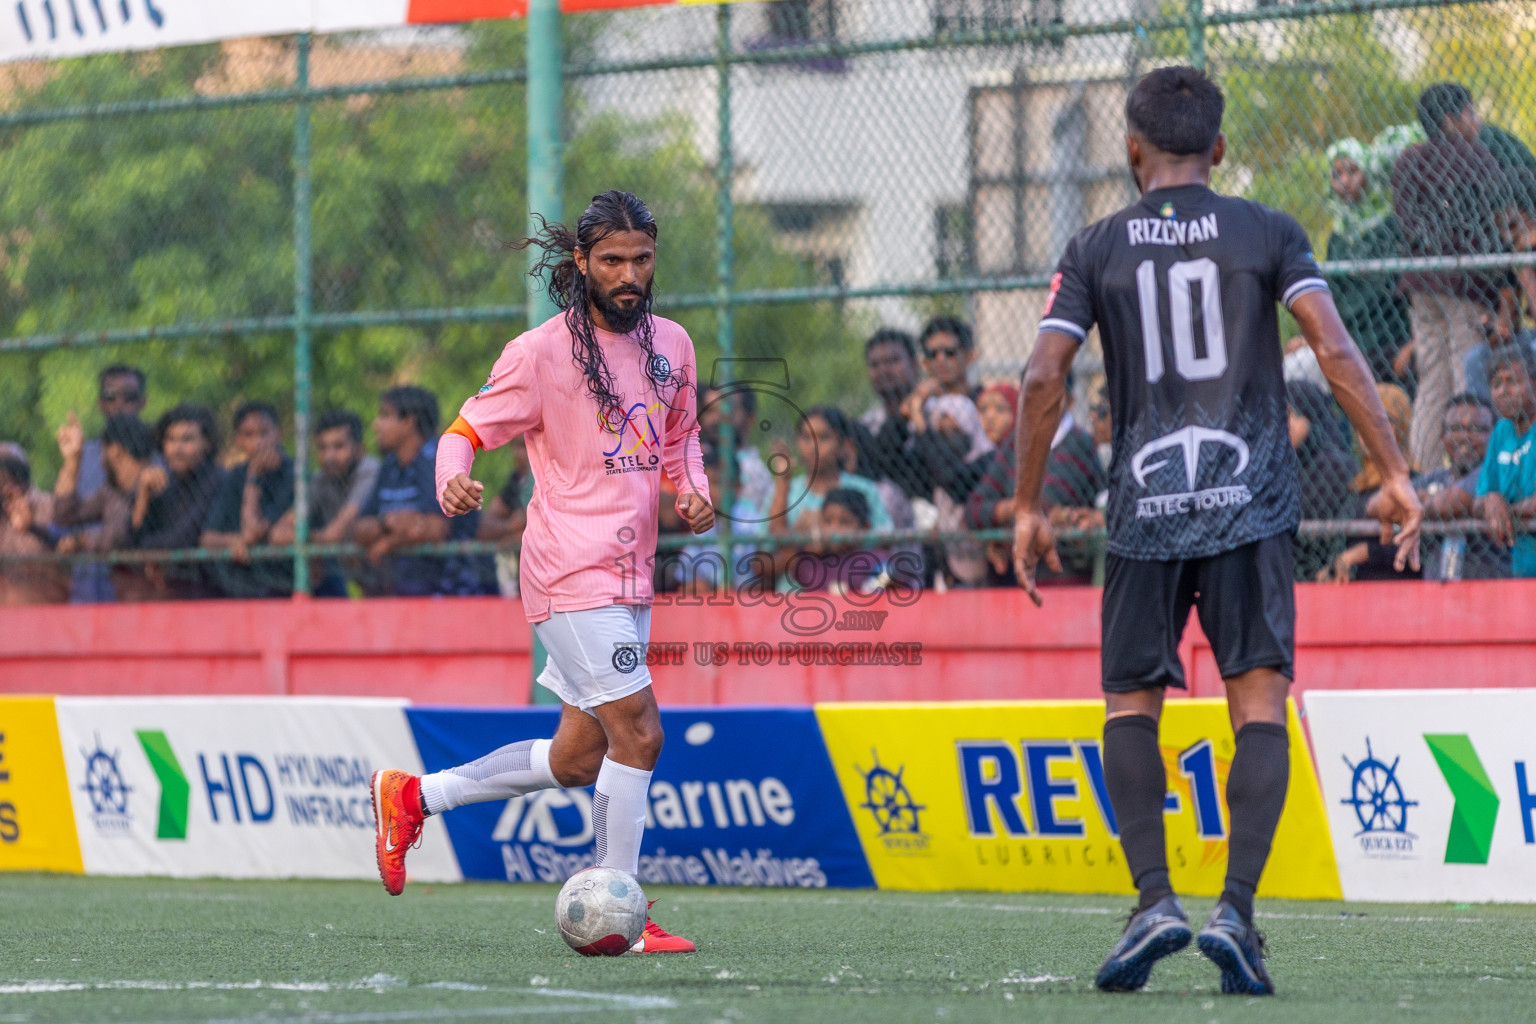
(592, 520)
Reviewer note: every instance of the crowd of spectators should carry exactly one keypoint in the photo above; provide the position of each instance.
(1436, 339)
(1453, 350)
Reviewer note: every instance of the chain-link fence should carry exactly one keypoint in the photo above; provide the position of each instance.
(216, 255)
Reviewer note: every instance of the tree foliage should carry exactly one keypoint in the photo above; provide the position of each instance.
(151, 220)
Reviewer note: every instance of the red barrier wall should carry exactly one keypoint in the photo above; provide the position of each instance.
(974, 645)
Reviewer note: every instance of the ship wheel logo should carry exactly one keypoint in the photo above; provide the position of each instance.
(104, 782)
(886, 797)
(1376, 795)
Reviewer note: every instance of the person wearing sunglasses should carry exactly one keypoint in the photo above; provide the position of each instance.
(947, 348)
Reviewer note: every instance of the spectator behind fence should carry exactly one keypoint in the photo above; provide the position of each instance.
(1074, 479)
(102, 521)
(1369, 559)
(344, 477)
(1506, 486)
(948, 348)
(256, 493)
(402, 509)
(1448, 193)
(889, 356)
(838, 567)
(1326, 466)
(957, 450)
(1364, 228)
(24, 531)
(171, 501)
(1519, 167)
(825, 445)
(998, 406)
(120, 391)
(1450, 493)
(751, 472)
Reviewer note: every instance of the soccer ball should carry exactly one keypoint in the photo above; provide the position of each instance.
(600, 912)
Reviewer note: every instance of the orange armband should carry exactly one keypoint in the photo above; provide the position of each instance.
(463, 429)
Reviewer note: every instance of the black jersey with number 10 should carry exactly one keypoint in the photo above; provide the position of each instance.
(1183, 286)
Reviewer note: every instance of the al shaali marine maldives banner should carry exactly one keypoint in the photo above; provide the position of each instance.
(46, 29)
(1011, 796)
(236, 787)
(1431, 794)
(742, 796)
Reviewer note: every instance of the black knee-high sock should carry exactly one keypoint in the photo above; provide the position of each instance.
(1138, 785)
(1261, 770)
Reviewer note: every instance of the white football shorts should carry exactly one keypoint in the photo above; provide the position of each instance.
(597, 655)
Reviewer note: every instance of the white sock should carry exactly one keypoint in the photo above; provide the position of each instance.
(618, 815)
(504, 773)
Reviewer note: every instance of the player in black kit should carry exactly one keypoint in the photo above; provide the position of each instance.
(1203, 497)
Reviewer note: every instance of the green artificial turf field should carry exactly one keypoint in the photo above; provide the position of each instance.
(94, 949)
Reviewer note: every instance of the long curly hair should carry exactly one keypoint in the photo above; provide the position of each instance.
(609, 213)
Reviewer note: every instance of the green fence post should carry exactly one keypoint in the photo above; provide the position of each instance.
(1196, 14)
(545, 187)
(303, 310)
(725, 280)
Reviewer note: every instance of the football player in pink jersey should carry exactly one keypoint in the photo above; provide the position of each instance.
(605, 393)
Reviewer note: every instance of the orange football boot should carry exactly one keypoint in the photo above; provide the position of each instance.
(398, 815)
(656, 939)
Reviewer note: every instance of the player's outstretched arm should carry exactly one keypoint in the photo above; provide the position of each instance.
(456, 492)
(1350, 380)
(1040, 408)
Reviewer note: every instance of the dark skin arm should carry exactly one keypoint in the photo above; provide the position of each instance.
(1042, 404)
(1355, 391)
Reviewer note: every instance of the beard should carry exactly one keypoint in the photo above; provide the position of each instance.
(622, 319)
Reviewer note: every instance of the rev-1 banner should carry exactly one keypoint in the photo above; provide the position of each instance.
(742, 796)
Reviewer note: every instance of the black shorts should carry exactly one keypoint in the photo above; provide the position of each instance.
(1247, 605)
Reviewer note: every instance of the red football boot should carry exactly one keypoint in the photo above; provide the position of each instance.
(656, 939)
(397, 812)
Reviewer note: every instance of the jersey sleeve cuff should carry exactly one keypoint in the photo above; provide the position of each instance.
(1051, 323)
(1302, 287)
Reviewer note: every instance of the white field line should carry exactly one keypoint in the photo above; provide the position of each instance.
(400, 1016)
(377, 983)
(1030, 908)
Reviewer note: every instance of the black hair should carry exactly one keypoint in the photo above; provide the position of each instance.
(1177, 109)
(121, 370)
(1468, 398)
(852, 500)
(1440, 101)
(838, 420)
(266, 409)
(609, 213)
(17, 469)
(709, 454)
(417, 403)
(334, 418)
(188, 412)
(132, 433)
(948, 325)
(1511, 355)
(891, 336)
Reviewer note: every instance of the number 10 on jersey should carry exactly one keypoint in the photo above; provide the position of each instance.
(1181, 278)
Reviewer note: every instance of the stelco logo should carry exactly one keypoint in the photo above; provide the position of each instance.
(1190, 440)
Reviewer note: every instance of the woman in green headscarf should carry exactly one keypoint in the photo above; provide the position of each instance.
(1365, 228)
